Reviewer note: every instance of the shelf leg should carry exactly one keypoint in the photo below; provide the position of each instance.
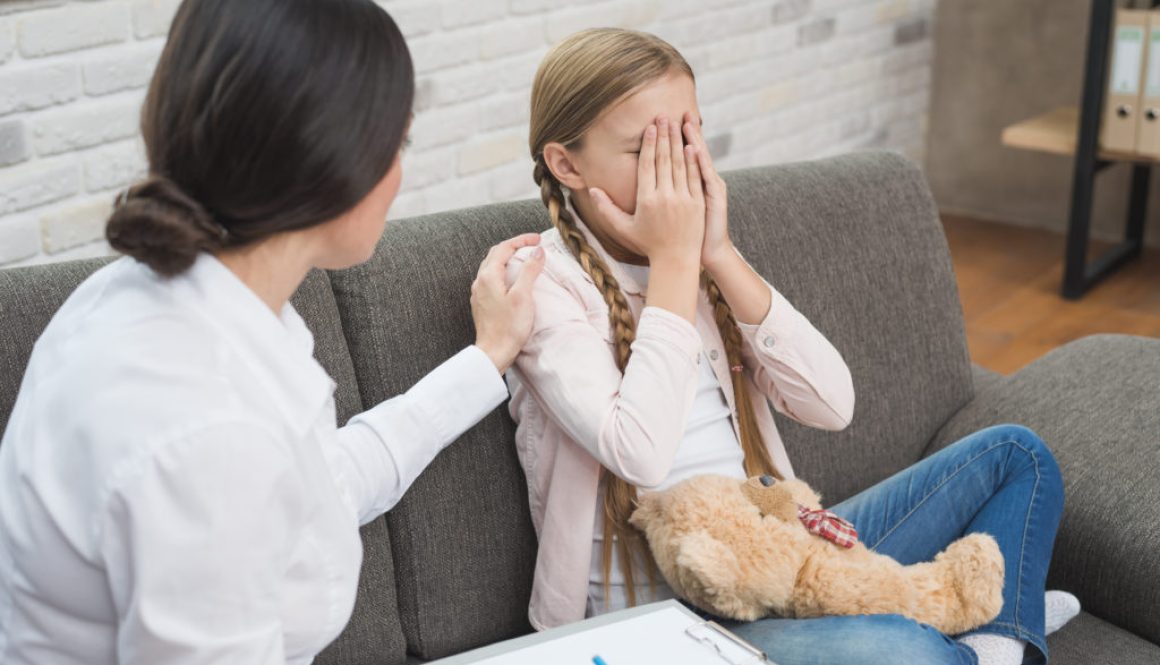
(1083, 180)
(1138, 210)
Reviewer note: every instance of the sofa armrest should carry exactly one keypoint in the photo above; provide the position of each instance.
(985, 379)
(1096, 402)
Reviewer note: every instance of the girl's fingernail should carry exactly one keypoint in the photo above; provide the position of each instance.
(651, 131)
(539, 253)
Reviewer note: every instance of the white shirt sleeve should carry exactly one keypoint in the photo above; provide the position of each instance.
(381, 451)
(196, 539)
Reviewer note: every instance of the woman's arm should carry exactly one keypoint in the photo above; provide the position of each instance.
(383, 450)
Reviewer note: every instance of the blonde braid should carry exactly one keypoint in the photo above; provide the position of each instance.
(757, 460)
(619, 314)
(619, 495)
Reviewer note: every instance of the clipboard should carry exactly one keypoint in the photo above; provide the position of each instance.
(664, 632)
(716, 637)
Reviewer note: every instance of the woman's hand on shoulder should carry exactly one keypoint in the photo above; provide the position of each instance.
(504, 315)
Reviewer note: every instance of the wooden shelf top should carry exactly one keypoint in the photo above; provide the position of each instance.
(1055, 132)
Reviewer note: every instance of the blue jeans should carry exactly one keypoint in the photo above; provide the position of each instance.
(1001, 480)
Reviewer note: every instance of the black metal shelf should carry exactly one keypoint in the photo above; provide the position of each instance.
(1080, 275)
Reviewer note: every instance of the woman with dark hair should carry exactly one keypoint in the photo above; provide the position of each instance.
(173, 486)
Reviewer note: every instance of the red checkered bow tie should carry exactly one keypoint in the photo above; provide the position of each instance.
(829, 526)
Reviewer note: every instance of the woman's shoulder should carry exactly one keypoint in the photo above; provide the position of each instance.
(122, 340)
(124, 311)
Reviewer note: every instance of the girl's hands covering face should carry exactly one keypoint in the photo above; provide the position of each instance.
(717, 244)
(669, 221)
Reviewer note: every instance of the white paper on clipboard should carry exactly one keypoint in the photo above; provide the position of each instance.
(656, 637)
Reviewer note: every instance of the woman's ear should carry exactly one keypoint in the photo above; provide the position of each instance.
(560, 162)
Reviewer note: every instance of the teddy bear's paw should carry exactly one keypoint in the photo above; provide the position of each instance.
(975, 566)
(710, 576)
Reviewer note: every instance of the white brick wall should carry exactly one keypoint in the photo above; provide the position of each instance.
(778, 80)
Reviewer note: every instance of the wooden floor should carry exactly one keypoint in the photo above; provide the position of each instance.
(1009, 280)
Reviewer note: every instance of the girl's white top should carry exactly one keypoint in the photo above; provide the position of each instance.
(708, 446)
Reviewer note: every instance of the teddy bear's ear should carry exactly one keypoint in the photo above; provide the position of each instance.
(647, 508)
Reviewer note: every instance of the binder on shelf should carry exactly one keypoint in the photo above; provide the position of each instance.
(1122, 103)
(1148, 126)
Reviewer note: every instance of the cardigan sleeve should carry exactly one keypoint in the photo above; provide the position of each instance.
(797, 368)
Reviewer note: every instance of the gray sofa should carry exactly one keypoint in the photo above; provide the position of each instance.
(856, 244)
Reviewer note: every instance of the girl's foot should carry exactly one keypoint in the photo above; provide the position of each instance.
(995, 649)
(1059, 608)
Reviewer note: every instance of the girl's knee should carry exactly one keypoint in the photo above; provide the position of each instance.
(899, 639)
(1034, 445)
(1038, 455)
(864, 639)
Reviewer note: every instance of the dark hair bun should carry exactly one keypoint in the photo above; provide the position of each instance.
(158, 224)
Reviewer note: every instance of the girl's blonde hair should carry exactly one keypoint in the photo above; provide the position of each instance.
(578, 80)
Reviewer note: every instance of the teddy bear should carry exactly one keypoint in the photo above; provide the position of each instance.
(742, 550)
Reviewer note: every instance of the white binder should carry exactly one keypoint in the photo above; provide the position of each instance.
(1148, 129)
(1122, 106)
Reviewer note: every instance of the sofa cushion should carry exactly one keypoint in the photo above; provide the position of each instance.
(855, 243)
(462, 536)
(30, 296)
(1095, 402)
(1087, 640)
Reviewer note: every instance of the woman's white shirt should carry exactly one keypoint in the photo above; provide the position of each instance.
(173, 485)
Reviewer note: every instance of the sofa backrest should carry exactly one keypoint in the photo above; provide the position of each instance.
(854, 242)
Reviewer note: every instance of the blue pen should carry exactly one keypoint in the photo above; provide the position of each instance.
(597, 660)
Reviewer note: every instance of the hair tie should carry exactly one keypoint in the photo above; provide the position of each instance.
(736, 368)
